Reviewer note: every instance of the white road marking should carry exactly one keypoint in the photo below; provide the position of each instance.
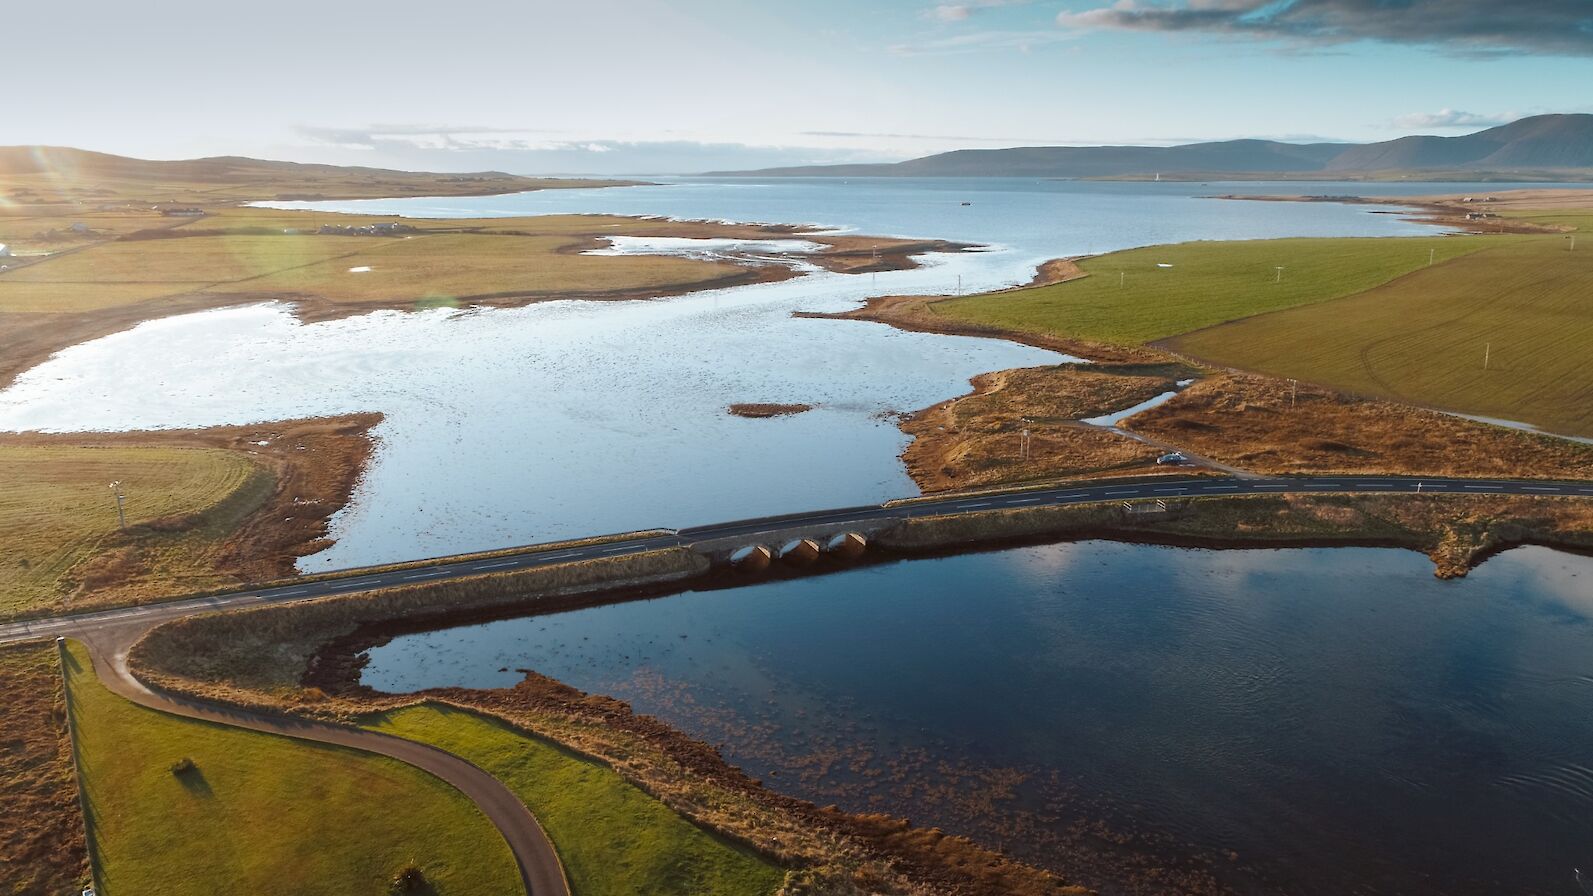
(1178, 489)
(1028, 500)
(971, 506)
(496, 565)
(1540, 488)
(1269, 486)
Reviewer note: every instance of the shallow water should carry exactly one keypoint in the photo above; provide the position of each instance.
(562, 419)
(1337, 718)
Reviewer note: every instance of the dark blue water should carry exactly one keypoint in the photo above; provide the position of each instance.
(1299, 721)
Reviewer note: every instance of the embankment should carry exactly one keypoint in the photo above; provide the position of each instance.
(1456, 531)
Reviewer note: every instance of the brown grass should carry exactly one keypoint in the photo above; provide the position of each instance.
(304, 473)
(42, 847)
(975, 440)
(1262, 424)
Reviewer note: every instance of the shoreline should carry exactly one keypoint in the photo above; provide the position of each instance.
(29, 339)
(1438, 211)
(913, 314)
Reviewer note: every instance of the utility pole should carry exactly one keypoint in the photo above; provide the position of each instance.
(1280, 274)
(121, 515)
(1294, 391)
(1431, 254)
(1122, 277)
(1487, 353)
(1023, 446)
(959, 284)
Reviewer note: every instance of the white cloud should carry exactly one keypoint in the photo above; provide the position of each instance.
(981, 41)
(1451, 118)
(957, 12)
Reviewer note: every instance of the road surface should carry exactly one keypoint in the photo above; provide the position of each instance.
(767, 528)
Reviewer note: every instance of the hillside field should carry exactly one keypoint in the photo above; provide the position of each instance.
(1504, 333)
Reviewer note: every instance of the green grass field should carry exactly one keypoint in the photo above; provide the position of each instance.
(418, 267)
(613, 839)
(464, 264)
(1128, 299)
(56, 509)
(1526, 304)
(263, 814)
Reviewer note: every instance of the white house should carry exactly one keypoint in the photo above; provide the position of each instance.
(5, 251)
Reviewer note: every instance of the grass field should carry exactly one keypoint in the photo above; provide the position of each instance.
(57, 512)
(1128, 299)
(41, 829)
(613, 839)
(263, 814)
(401, 269)
(466, 264)
(1524, 306)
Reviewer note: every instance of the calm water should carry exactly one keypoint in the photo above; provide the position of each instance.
(1338, 719)
(572, 418)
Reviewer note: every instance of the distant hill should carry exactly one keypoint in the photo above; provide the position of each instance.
(215, 169)
(1543, 147)
(60, 173)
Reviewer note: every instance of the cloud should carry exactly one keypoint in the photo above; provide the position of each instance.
(980, 41)
(1451, 118)
(1460, 27)
(532, 151)
(957, 12)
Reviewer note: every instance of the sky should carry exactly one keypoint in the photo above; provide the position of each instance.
(654, 87)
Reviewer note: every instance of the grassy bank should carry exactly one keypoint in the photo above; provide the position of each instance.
(1127, 298)
(614, 839)
(1502, 333)
(205, 509)
(261, 813)
(1455, 531)
(42, 847)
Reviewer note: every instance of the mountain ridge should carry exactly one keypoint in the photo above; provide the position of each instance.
(1538, 144)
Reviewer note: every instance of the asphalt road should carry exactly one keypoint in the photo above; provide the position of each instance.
(768, 528)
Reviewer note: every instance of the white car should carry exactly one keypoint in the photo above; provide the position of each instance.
(1174, 458)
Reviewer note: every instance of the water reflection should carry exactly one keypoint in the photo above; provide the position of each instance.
(1306, 721)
